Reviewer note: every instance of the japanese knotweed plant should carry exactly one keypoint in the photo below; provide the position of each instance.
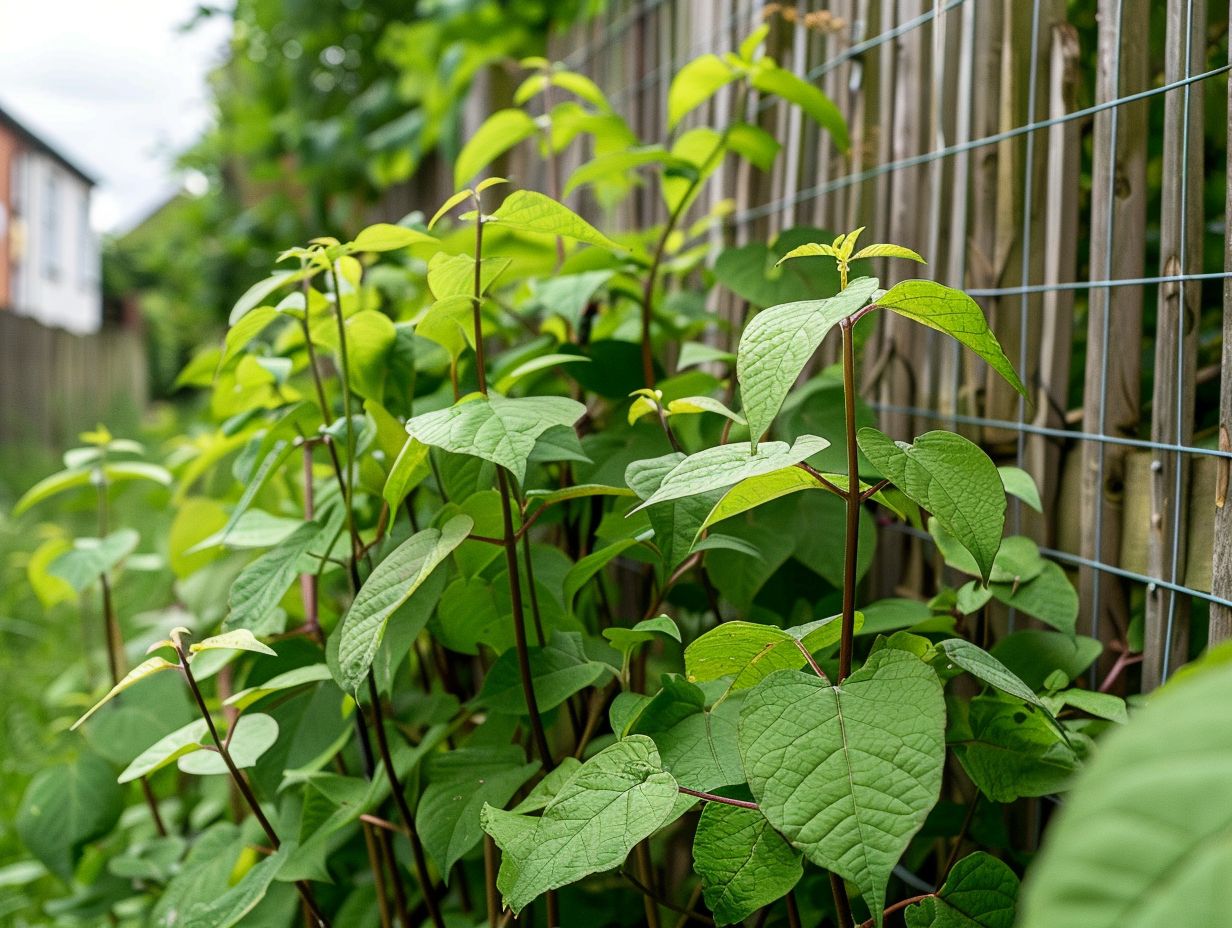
(519, 596)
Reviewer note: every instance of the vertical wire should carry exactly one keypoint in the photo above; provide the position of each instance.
(1106, 296)
(1025, 271)
(1178, 459)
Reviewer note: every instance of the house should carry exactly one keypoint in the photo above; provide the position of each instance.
(49, 255)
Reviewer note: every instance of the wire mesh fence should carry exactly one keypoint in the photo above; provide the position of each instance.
(1066, 164)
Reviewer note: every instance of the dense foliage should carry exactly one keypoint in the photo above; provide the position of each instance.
(491, 601)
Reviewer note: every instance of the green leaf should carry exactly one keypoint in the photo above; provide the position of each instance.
(255, 594)
(495, 428)
(300, 676)
(92, 557)
(1049, 597)
(255, 295)
(617, 164)
(244, 331)
(409, 469)
(848, 773)
(698, 746)
(145, 669)
(743, 863)
(389, 585)
(617, 798)
(558, 670)
(461, 783)
(689, 405)
(167, 749)
(1021, 484)
(749, 652)
(1101, 705)
(112, 472)
(695, 83)
(454, 275)
(384, 236)
(449, 204)
(370, 337)
(233, 906)
(65, 806)
(675, 524)
(496, 135)
(983, 666)
(251, 736)
(954, 313)
(754, 144)
(770, 78)
(541, 363)
(528, 211)
(576, 491)
(1013, 750)
(952, 478)
(581, 572)
(625, 640)
(980, 892)
(778, 343)
(725, 465)
(1034, 653)
(549, 786)
(241, 639)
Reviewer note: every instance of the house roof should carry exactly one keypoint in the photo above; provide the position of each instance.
(34, 141)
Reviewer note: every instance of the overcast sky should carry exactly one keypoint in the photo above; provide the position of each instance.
(113, 85)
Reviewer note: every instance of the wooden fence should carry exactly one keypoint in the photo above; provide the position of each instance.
(53, 383)
(1053, 159)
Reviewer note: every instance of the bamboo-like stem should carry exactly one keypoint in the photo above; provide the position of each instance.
(852, 537)
(404, 810)
(535, 612)
(305, 890)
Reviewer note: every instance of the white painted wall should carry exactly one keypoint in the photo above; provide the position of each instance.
(58, 273)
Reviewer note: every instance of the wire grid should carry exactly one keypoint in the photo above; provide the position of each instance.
(720, 25)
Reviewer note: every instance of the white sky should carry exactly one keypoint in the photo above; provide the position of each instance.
(114, 86)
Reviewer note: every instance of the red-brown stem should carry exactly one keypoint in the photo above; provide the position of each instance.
(842, 905)
(898, 906)
(711, 797)
(808, 656)
(241, 783)
(491, 894)
(793, 911)
(404, 810)
(519, 624)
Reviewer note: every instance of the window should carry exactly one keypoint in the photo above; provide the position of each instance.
(50, 244)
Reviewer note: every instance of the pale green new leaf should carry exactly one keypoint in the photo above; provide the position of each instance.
(257, 590)
(625, 640)
(1145, 837)
(243, 332)
(690, 405)
(616, 799)
(887, 251)
(389, 585)
(848, 773)
(770, 78)
(499, 132)
(677, 523)
(184, 740)
(300, 676)
(495, 428)
(617, 164)
(952, 478)
(954, 313)
(461, 783)
(255, 295)
(725, 465)
(754, 144)
(146, 668)
(529, 211)
(252, 736)
(577, 491)
(385, 236)
(449, 204)
(743, 863)
(112, 472)
(748, 652)
(240, 639)
(778, 343)
(695, 83)
(980, 892)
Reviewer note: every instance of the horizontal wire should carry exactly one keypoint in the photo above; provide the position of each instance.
(1079, 561)
(1028, 427)
(849, 180)
(1095, 284)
